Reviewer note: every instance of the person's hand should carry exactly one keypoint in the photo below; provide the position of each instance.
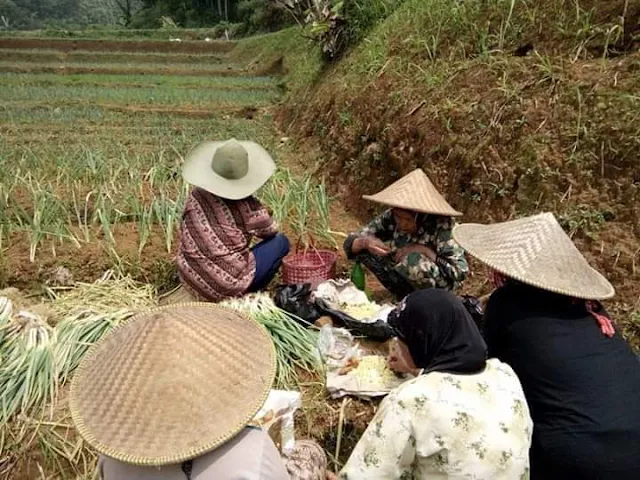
(483, 301)
(375, 246)
(399, 359)
(331, 476)
(402, 253)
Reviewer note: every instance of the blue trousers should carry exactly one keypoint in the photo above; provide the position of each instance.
(269, 254)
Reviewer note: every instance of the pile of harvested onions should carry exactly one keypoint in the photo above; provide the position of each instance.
(295, 345)
(37, 353)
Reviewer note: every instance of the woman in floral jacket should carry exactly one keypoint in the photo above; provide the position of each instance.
(462, 417)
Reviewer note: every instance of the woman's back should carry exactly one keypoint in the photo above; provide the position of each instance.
(579, 383)
(444, 425)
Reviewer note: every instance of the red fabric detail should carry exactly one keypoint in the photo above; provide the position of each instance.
(606, 326)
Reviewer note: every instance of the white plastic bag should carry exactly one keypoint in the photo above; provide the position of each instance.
(281, 405)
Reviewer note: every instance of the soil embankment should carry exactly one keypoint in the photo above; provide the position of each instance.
(510, 112)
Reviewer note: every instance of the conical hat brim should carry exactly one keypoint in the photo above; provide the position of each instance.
(536, 251)
(197, 171)
(414, 192)
(172, 383)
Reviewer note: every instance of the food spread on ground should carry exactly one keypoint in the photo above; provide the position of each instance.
(363, 311)
(372, 374)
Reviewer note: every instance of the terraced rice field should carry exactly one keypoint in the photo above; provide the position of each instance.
(92, 137)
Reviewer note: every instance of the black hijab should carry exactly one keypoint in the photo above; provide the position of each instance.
(439, 332)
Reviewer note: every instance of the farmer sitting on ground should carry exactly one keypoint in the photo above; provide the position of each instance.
(220, 219)
(463, 417)
(170, 395)
(545, 320)
(420, 252)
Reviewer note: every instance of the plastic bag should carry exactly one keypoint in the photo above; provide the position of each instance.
(378, 330)
(336, 346)
(278, 411)
(474, 307)
(296, 300)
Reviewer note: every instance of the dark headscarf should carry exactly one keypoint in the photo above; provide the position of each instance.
(439, 332)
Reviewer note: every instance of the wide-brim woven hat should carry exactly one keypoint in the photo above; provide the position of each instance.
(414, 192)
(231, 169)
(172, 383)
(535, 250)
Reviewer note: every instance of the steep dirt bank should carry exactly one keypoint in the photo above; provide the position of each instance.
(509, 112)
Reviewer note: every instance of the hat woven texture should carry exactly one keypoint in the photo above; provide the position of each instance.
(172, 383)
(414, 192)
(535, 250)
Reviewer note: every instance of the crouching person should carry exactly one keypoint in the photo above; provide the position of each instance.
(170, 396)
(410, 247)
(221, 218)
(463, 416)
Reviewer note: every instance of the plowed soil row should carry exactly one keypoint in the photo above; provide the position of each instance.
(133, 70)
(188, 111)
(49, 56)
(117, 46)
(221, 87)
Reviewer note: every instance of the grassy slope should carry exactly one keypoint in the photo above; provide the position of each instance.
(437, 85)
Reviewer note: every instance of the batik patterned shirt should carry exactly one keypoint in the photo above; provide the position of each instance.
(214, 257)
(444, 426)
(450, 268)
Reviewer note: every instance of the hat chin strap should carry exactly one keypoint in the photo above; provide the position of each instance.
(187, 468)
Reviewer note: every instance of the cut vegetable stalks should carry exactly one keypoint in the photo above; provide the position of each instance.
(295, 345)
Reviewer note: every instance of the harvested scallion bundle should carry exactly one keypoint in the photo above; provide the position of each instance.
(78, 332)
(28, 375)
(35, 357)
(295, 345)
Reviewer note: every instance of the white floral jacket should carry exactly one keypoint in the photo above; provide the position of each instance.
(446, 426)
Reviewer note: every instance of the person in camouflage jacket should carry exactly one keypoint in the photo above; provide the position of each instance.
(410, 251)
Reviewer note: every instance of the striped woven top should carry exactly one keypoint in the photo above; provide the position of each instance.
(214, 257)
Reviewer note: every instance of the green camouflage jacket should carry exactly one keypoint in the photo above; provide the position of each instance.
(450, 268)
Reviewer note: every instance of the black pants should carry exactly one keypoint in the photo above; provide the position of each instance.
(382, 268)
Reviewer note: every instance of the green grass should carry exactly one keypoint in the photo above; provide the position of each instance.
(302, 59)
(126, 66)
(177, 81)
(89, 115)
(137, 96)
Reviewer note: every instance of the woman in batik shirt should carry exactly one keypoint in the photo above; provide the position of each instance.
(409, 246)
(221, 220)
(462, 417)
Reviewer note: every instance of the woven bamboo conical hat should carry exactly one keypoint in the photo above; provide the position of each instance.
(172, 383)
(414, 192)
(535, 250)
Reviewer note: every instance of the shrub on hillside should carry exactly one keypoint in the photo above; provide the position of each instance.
(337, 24)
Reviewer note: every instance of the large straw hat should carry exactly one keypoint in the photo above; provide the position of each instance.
(231, 169)
(536, 251)
(414, 192)
(172, 383)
